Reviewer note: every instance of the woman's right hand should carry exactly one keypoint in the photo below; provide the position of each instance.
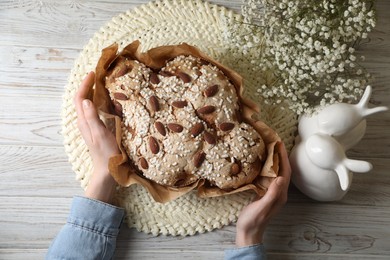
(254, 218)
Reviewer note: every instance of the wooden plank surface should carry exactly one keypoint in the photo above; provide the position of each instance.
(40, 39)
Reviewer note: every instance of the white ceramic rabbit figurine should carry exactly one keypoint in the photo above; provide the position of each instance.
(320, 167)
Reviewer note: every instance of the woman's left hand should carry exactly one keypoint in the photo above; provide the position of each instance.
(100, 141)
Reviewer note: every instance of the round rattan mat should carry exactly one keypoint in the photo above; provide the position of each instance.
(159, 23)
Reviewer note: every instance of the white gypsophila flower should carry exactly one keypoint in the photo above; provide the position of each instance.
(303, 51)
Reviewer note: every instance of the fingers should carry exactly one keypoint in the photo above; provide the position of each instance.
(282, 184)
(267, 202)
(285, 168)
(276, 195)
(285, 172)
(275, 198)
(86, 86)
(273, 191)
(279, 187)
(283, 180)
(81, 95)
(91, 116)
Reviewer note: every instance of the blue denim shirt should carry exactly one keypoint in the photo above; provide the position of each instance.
(92, 229)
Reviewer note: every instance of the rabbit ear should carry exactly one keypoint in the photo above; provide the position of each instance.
(365, 98)
(357, 165)
(344, 176)
(363, 104)
(370, 111)
(343, 170)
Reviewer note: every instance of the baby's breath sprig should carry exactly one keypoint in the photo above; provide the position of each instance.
(305, 50)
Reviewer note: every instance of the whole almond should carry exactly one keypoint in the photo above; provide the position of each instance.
(226, 126)
(118, 108)
(179, 103)
(130, 129)
(206, 110)
(239, 117)
(235, 169)
(184, 77)
(154, 78)
(153, 145)
(208, 137)
(204, 62)
(166, 73)
(122, 71)
(153, 101)
(211, 91)
(143, 163)
(160, 128)
(199, 158)
(120, 96)
(220, 75)
(197, 129)
(175, 127)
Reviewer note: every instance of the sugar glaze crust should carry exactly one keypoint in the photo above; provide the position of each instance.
(182, 123)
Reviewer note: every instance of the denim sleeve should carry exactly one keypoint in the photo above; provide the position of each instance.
(90, 232)
(255, 252)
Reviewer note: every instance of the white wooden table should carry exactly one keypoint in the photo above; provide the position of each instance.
(39, 41)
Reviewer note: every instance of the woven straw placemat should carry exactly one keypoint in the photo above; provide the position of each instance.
(159, 23)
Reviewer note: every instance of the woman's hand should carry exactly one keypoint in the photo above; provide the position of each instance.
(100, 141)
(254, 218)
